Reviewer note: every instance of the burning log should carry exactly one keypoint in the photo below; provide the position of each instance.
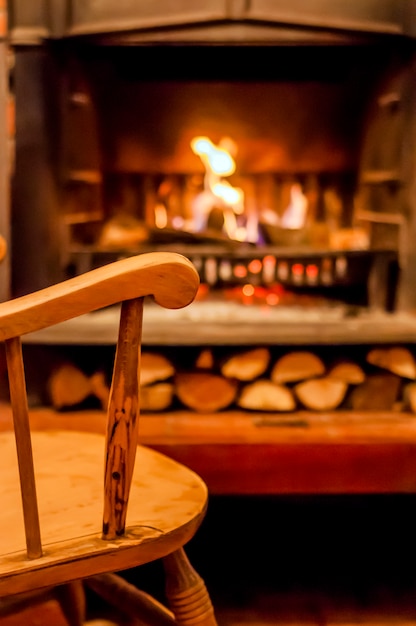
(379, 392)
(247, 365)
(264, 395)
(297, 366)
(321, 394)
(205, 391)
(397, 360)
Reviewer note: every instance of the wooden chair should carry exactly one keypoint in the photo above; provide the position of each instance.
(89, 505)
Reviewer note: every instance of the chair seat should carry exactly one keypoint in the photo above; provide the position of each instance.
(166, 505)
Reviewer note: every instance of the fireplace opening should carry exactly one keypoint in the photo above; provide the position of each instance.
(130, 178)
(314, 219)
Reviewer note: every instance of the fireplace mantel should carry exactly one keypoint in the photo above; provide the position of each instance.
(233, 21)
(220, 324)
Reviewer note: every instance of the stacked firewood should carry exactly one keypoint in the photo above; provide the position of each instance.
(254, 380)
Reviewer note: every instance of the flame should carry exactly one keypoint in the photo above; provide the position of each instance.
(233, 196)
(215, 158)
(161, 216)
(295, 214)
(219, 163)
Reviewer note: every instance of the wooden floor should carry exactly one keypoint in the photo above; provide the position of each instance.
(290, 609)
(319, 610)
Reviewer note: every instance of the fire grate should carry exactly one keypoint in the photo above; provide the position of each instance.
(259, 266)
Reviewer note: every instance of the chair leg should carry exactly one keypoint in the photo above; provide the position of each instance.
(129, 600)
(23, 601)
(71, 598)
(186, 593)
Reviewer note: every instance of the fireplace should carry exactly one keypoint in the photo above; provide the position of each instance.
(316, 109)
(315, 103)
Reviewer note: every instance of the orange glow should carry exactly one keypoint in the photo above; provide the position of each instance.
(312, 271)
(297, 269)
(161, 216)
(240, 271)
(251, 294)
(272, 299)
(216, 158)
(248, 290)
(283, 270)
(255, 266)
(203, 291)
(269, 268)
(225, 270)
(218, 193)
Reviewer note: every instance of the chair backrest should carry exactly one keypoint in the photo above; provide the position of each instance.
(172, 281)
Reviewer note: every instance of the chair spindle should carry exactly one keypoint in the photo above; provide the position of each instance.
(123, 412)
(18, 398)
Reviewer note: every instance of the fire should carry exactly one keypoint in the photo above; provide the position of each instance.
(220, 205)
(216, 159)
(232, 196)
(295, 214)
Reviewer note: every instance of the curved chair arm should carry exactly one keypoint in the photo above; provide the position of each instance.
(169, 277)
(3, 248)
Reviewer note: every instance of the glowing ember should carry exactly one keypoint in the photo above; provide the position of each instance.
(255, 266)
(248, 290)
(240, 271)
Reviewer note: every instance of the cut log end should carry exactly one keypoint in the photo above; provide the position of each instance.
(264, 395)
(297, 366)
(398, 360)
(204, 391)
(348, 372)
(154, 367)
(157, 397)
(379, 392)
(68, 386)
(247, 365)
(321, 394)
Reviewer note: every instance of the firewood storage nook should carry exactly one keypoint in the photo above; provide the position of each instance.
(274, 145)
